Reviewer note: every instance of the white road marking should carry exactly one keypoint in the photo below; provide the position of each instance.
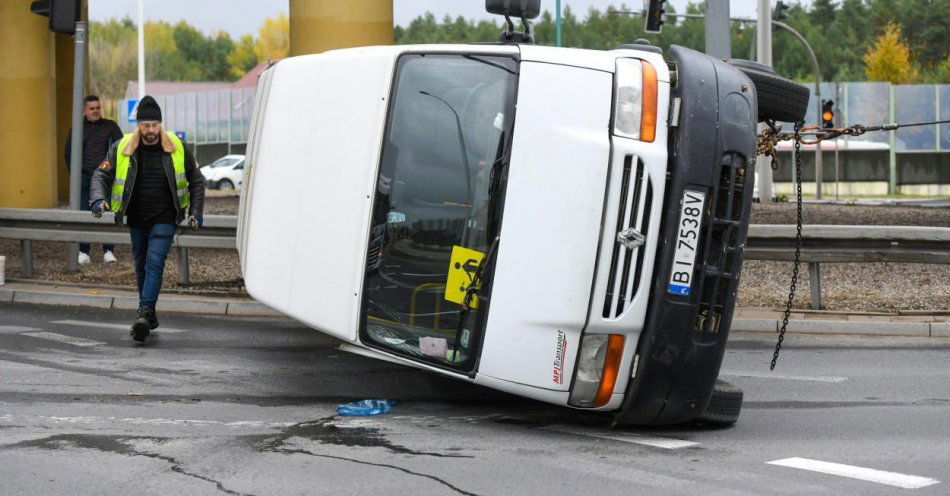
(156, 421)
(52, 336)
(866, 474)
(16, 329)
(124, 327)
(809, 378)
(626, 437)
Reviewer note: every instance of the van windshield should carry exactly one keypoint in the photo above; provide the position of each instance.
(446, 139)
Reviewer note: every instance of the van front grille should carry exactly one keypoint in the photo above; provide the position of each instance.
(626, 265)
(722, 253)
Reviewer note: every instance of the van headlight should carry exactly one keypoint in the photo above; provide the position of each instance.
(598, 364)
(635, 100)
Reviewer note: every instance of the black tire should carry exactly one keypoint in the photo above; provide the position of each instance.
(724, 407)
(225, 184)
(779, 99)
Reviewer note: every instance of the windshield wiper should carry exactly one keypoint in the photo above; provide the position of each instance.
(471, 292)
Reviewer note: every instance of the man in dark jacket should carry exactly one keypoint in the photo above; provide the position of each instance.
(155, 185)
(98, 135)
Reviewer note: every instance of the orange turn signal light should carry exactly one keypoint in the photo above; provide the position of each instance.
(648, 115)
(608, 378)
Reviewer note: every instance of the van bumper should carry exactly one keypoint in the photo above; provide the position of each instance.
(683, 341)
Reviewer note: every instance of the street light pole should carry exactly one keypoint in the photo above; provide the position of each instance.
(764, 56)
(558, 21)
(814, 62)
(141, 50)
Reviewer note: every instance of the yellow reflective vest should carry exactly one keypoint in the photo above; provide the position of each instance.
(122, 171)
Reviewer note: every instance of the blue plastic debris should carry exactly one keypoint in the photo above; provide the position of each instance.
(365, 408)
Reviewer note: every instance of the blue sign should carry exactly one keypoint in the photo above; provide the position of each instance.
(181, 135)
(133, 109)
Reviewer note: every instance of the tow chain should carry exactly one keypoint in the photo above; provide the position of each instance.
(765, 145)
(798, 240)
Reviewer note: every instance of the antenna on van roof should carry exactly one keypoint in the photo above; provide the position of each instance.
(525, 9)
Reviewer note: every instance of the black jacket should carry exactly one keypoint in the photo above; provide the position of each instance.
(100, 186)
(97, 137)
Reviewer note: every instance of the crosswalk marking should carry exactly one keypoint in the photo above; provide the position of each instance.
(866, 474)
(626, 437)
(103, 325)
(52, 336)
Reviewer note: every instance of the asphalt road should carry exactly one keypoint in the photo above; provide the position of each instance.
(247, 406)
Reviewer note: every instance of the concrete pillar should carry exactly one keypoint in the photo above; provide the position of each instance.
(320, 25)
(27, 89)
(64, 110)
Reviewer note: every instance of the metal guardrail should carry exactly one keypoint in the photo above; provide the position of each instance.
(820, 243)
(28, 225)
(847, 244)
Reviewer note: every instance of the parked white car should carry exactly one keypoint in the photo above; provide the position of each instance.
(225, 173)
(562, 224)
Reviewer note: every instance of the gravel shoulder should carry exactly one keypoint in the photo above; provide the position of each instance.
(871, 287)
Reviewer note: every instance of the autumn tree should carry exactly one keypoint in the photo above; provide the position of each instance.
(243, 56)
(889, 59)
(273, 39)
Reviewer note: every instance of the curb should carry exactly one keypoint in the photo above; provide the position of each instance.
(179, 305)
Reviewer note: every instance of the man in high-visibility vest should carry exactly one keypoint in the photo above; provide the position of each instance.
(155, 185)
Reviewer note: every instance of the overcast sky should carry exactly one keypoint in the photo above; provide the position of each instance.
(239, 17)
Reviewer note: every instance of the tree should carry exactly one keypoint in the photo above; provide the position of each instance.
(243, 56)
(273, 39)
(112, 57)
(889, 59)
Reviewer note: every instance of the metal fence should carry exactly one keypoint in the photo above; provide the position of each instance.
(214, 117)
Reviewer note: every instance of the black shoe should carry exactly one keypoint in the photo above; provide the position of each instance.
(152, 318)
(140, 328)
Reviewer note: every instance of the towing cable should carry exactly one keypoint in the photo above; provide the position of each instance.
(807, 135)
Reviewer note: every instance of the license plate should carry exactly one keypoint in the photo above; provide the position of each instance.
(687, 242)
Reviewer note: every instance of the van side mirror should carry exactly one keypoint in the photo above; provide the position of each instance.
(525, 9)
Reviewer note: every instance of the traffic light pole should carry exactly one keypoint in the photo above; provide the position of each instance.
(718, 39)
(76, 152)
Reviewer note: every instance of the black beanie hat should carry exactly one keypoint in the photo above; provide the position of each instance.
(148, 110)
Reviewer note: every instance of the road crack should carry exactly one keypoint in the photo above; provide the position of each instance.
(120, 445)
(299, 451)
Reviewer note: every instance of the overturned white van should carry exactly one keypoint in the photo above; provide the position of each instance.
(562, 224)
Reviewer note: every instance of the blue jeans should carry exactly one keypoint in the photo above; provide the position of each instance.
(83, 204)
(150, 247)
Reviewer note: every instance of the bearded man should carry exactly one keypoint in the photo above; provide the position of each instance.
(155, 185)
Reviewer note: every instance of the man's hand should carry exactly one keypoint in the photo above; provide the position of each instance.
(99, 207)
(195, 222)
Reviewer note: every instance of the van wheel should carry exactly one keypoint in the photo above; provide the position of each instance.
(724, 407)
(225, 184)
(779, 99)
